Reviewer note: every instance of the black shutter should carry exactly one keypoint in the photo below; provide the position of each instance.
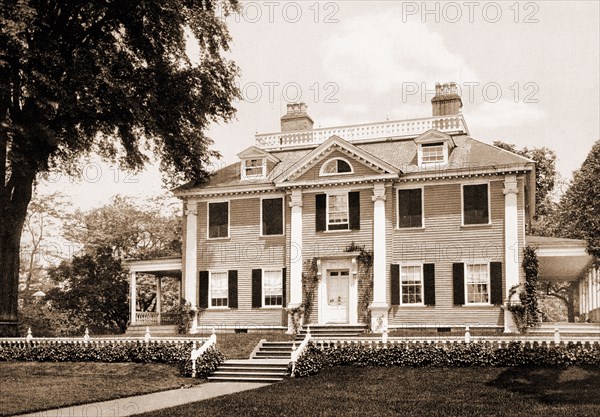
(458, 274)
(203, 290)
(496, 282)
(354, 205)
(321, 215)
(233, 289)
(395, 283)
(283, 272)
(429, 284)
(256, 288)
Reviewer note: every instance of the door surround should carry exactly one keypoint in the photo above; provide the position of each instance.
(348, 261)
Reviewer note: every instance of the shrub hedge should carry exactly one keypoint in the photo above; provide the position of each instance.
(177, 354)
(455, 355)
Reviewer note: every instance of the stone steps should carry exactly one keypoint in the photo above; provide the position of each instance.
(251, 370)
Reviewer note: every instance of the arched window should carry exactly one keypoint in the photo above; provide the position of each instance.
(336, 166)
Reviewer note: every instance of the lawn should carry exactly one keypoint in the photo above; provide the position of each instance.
(355, 391)
(32, 386)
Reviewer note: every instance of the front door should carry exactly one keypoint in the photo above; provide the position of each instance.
(338, 291)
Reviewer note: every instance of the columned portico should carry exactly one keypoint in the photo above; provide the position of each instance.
(379, 307)
(511, 243)
(295, 257)
(191, 258)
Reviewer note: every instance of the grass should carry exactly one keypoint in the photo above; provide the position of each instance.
(354, 391)
(241, 345)
(34, 386)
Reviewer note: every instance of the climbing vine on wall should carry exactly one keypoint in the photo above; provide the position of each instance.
(525, 309)
(364, 260)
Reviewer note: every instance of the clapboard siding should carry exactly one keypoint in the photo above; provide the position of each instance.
(444, 241)
(243, 251)
(360, 170)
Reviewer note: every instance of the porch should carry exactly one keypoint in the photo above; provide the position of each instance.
(160, 269)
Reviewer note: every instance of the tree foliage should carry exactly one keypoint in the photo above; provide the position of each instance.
(110, 77)
(546, 176)
(92, 290)
(578, 214)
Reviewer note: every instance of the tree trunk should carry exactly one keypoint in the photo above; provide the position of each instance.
(13, 210)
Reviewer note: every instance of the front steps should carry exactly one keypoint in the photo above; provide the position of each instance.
(251, 370)
(333, 331)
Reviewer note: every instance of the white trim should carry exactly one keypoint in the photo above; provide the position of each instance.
(338, 181)
(462, 204)
(335, 158)
(435, 164)
(411, 264)
(341, 263)
(262, 288)
(217, 271)
(282, 215)
(337, 193)
(208, 203)
(397, 192)
(489, 283)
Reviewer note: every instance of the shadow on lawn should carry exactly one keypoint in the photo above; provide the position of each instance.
(554, 386)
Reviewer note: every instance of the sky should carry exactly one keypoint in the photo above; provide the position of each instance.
(528, 72)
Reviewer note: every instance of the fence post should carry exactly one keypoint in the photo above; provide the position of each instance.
(384, 336)
(29, 335)
(467, 335)
(86, 336)
(147, 335)
(556, 336)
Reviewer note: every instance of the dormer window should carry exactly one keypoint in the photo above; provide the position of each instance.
(433, 153)
(253, 168)
(336, 166)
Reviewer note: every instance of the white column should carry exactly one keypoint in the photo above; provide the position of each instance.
(511, 242)
(580, 287)
(379, 307)
(191, 257)
(158, 297)
(295, 256)
(133, 297)
(590, 292)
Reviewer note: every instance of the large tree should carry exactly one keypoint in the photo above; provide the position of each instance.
(578, 214)
(111, 77)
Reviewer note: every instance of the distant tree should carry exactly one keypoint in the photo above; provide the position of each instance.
(92, 291)
(578, 214)
(564, 291)
(110, 77)
(130, 228)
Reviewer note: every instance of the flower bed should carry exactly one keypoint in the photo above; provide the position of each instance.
(450, 355)
(175, 353)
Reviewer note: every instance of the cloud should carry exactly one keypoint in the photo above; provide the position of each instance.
(377, 53)
(503, 113)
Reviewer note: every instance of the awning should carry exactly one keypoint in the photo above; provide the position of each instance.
(560, 259)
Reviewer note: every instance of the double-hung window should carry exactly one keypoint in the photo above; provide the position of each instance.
(477, 283)
(219, 289)
(410, 208)
(218, 220)
(432, 153)
(476, 204)
(411, 284)
(272, 282)
(337, 211)
(253, 168)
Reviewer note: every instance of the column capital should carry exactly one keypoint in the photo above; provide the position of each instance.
(296, 198)
(378, 192)
(511, 184)
(191, 209)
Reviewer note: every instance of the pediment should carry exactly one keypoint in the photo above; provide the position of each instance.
(310, 166)
(432, 136)
(254, 152)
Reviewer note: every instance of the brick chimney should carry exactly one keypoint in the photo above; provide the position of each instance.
(296, 118)
(446, 101)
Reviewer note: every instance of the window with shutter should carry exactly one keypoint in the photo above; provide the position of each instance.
(218, 289)
(477, 283)
(272, 287)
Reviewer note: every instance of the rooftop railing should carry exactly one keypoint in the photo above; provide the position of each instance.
(362, 132)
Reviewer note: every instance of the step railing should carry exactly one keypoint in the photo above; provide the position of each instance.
(197, 352)
(297, 352)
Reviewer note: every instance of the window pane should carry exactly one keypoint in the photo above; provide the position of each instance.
(477, 283)
(218, 289)
(338, 211)
(343, 166)
(411, 285)
(273, 287)
(330, 167)
(475, 203)
(433, 152)
(272, 216)
(410, 207)
(336, 166)
(218, 219)
(254, 167)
